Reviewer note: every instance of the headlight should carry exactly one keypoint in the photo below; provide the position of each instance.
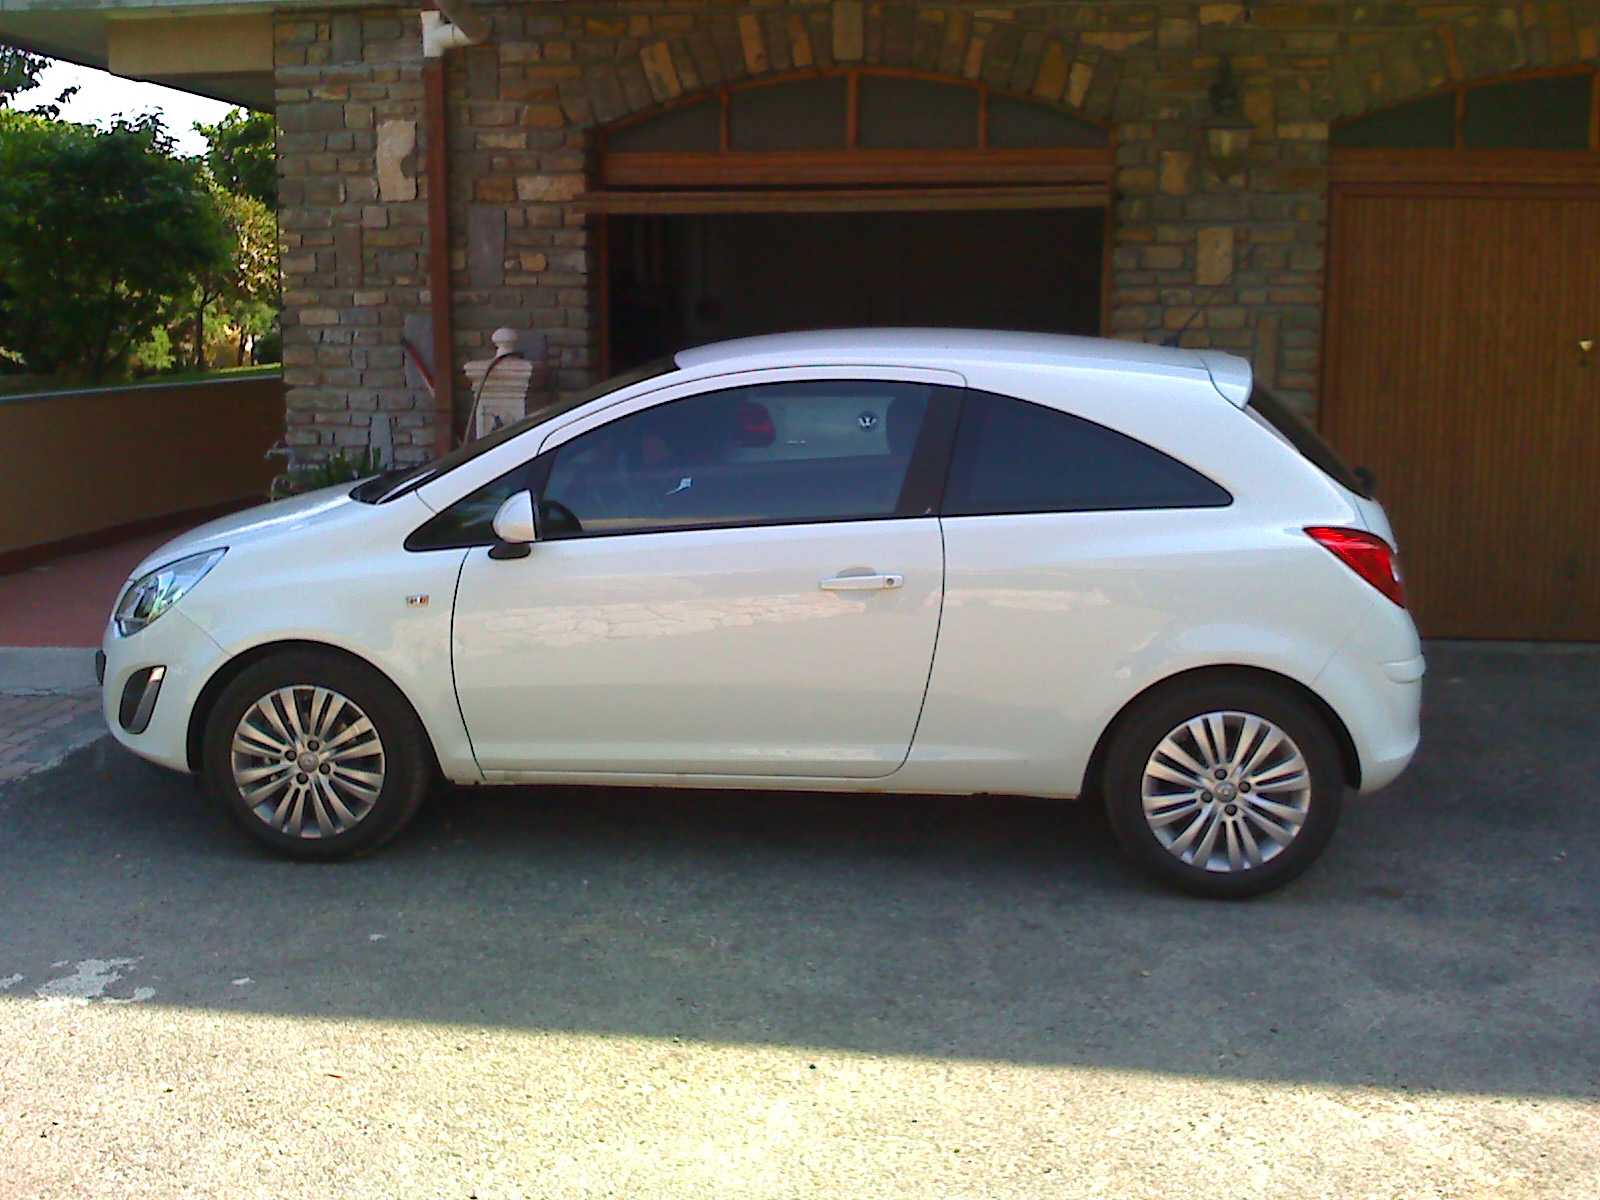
(152, 594)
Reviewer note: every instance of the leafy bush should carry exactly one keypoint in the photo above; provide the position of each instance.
(337, 468)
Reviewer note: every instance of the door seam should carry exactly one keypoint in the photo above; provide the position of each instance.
(455, 678)
(927, 684)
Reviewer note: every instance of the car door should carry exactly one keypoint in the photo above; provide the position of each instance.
(1074, 553)
(745, 581)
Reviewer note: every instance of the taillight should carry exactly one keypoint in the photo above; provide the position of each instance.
(1368, 555)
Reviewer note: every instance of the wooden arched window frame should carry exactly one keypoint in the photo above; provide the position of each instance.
(1539, 126)
(849, 145)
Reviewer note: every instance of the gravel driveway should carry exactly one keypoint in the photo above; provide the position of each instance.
(569, 992)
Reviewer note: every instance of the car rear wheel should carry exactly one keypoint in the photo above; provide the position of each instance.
(1224, 788)
(316, 756)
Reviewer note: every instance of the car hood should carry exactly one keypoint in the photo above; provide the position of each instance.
(265, 522)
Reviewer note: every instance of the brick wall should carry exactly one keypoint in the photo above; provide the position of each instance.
(1237, 264)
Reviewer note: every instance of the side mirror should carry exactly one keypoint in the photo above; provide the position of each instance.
(515, 527)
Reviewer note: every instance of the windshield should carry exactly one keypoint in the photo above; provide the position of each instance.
(387, 486)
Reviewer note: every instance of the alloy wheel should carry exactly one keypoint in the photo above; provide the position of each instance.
(307, 761)
(1226, 791)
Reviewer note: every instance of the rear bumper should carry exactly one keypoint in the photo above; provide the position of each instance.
(1377, 693)
(1383, 765)
(1410, 670)
(1389, 755)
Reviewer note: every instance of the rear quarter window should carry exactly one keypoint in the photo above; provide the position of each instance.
(1014, 456)
(1297, 431)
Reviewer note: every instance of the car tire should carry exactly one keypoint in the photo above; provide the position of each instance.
(316, 755)
(1260, 824)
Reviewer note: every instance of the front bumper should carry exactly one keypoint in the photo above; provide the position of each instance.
(150, 683)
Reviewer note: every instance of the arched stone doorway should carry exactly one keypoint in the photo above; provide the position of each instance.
(852, 196)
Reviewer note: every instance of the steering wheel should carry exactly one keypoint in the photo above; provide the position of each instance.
(597, 488)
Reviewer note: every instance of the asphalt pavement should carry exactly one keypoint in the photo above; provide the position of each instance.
(585, 992)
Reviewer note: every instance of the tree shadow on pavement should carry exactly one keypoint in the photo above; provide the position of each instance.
(1449, 939)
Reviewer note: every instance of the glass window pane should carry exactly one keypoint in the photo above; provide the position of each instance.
(1418, 125)
(915, 114)
(1018, 125)
(1303, 436)
(694, 127)
(1016, 457)
(774, 454)
(1528, 114)
(469, 521)
(808, 115)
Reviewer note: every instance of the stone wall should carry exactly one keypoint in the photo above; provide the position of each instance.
(353, 238)
(1232, 263)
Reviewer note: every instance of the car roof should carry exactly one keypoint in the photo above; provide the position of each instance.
(952, 347)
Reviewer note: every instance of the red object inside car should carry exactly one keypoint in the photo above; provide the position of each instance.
(754, 425)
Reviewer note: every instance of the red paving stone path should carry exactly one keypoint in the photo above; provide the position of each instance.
(66, 602)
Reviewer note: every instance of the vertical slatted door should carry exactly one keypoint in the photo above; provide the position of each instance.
(1454, 370)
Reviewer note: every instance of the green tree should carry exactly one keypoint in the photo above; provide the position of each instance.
(19, 71)
(101, 233)
(236, 300)
(242, 146)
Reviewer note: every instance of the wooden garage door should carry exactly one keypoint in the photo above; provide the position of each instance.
(1456, 370)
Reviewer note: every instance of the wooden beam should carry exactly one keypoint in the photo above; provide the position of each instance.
(877, 200)
(842, 167)
(1415, 167)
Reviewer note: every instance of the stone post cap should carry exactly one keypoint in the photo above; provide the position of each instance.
(505, 341)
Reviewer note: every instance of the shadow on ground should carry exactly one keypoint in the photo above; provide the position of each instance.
(1450, 939)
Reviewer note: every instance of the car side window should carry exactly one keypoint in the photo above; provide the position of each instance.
(470, 520)
(1014, 456)
(782, 453)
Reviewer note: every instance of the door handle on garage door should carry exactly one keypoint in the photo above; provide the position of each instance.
(862, 583)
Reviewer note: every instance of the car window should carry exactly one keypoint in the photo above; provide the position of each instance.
(766, 454)
(470, 520)
(1013, 456)
(1298, 432)
(391, 485)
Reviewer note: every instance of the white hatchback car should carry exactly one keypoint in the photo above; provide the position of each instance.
(917, 561)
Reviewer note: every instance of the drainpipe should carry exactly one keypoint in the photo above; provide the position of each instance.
(455, 25)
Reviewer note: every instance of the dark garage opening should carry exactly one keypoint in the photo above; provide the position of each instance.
(683, 280)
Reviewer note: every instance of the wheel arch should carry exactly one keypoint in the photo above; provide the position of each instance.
(200, 714)
(1349, 758)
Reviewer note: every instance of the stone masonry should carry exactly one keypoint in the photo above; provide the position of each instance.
(1236, 264)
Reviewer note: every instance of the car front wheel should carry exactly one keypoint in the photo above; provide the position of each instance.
(316, 756)
(1224, 788)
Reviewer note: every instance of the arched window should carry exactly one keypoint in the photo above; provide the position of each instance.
(854, 127)
(1532, 112)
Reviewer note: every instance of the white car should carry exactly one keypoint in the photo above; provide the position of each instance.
(918, 561)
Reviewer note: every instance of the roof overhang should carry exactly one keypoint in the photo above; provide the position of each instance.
(223, 51)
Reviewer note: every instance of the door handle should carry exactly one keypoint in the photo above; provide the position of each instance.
(861, 583)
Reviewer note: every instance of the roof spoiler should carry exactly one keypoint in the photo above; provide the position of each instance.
(1230, 375)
